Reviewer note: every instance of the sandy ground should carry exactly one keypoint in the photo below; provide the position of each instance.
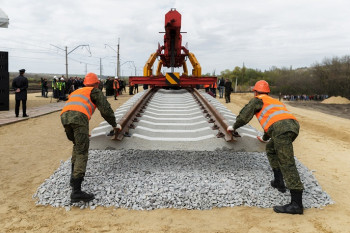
(32, 150)
(34, 100)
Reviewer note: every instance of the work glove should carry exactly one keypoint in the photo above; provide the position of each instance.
(115, 130)
(230, 129)
(264, 138)
(118, 128)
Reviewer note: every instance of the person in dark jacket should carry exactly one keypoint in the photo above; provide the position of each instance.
(20, 86)
(45, 87)
(42, 87)
(100, 85)
(109, 86)
(221, 87)
(228, 90)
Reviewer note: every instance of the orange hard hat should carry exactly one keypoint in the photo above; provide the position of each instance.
(91, 78)
(262, 86)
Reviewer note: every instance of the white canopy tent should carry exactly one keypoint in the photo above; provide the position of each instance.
(4, 19)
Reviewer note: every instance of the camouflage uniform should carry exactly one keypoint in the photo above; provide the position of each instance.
(76, 125)
(279, 149)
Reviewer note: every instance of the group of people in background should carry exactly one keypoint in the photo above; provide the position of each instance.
(61, 86)
(225, 90)
(304, 97)
(116, 86)
(225, 86)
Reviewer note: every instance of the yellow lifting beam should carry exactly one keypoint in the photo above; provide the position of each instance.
(159, 67)
(147, 69)
(184, 65)
(197, 69)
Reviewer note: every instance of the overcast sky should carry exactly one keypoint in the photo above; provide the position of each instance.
(222, 33)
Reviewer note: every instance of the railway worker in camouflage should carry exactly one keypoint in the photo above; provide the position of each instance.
(75, 118)
(280, 130)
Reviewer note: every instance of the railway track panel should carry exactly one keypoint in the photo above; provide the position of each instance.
(174, 120)
(171, 161)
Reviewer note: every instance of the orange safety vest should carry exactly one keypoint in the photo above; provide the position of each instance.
(80, 101)
(206, 85)
(116, 86)
(271, 112)
(215, 85)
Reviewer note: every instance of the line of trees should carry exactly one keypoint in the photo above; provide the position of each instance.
(331, 77)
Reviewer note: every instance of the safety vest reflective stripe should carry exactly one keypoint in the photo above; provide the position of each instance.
(274, 114)
(80, 101)
(271, 112)
(268, 108)
(80, 104)
(87, 100)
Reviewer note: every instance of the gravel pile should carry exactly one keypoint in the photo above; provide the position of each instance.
(146, 180)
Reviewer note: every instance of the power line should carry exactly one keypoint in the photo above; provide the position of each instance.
(36, 58)
(67, 53)
(47, 52)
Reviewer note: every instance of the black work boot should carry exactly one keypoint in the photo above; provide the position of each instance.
(295, 206)
(78, 195)
(71, 176)
(278, 182)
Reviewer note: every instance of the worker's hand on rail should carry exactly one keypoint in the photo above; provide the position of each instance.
(235, 134)
(115, 130)
(265, 138)
(118, 128)
(260, 138)
(230, 129)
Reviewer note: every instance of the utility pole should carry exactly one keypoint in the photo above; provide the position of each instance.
(118, 59)
(66, 49)
(118, 56)
(67, 53)
(100, 67)
(236, 85)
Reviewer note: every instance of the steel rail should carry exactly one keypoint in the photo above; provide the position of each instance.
(215, 116)
(130, 117)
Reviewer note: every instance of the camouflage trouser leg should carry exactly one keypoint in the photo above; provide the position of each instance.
(281, 156)
(79, 135)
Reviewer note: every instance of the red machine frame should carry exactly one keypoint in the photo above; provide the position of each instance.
(172, 54)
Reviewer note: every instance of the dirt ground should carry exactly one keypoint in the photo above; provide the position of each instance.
(32, 150)
(340, 110)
